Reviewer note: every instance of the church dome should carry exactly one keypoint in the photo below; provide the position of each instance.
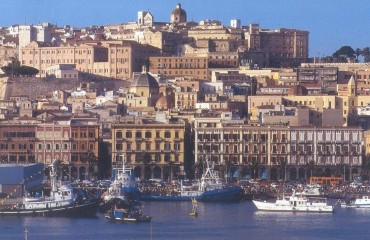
(145, 80)
(178, 15)
(164, 102)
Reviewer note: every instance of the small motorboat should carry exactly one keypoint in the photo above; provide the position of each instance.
(363, 202)
(127, 215)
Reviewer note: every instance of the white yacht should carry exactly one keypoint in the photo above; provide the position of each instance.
(295, 203)
(363, 202)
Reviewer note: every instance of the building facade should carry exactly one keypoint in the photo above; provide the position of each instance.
(116, 59)
(277, 151)
(152, 149)
(185, 66)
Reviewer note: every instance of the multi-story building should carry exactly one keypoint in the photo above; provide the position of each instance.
(327, 77)
(84, 145)
(185, 66)
(30, 33)
(17, 142)
(153, 149)
(277, 151)
(29, 141)
(7, 54)
(117, 59)
(284, 46)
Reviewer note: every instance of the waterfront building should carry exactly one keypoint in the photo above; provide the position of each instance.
(154, 149)
(276, 151)
(17, 141)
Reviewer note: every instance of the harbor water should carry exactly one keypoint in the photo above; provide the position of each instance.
(171, 220)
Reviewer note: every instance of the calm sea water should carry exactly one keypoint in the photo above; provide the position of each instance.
(171, 220)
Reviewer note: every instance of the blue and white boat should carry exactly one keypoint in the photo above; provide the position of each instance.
(61, 201)
(209, 189)
(363, 202)
(123, 186)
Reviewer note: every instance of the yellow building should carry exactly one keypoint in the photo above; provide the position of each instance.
(153, 149)
(347, 103)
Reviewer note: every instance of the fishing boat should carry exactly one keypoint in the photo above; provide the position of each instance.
(210, 188)
(123, 187)
(130, 213)
(61, 201)
(363, 202)
(295, 203)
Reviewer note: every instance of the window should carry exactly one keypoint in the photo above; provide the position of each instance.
(148, 134)
(167, 135)
(128, 134)
(138, 135)
(118, 134)
(167, 146)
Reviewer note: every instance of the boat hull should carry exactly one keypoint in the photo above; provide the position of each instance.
(83, 209)
(231, 194)
(130, 219)
(272, 207)
(160, 198)
(355, 205)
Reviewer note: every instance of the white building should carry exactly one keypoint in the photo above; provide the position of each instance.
(235, 23)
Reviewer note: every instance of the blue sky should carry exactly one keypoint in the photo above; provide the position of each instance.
(331, 23)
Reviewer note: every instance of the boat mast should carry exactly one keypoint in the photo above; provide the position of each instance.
(53, 177)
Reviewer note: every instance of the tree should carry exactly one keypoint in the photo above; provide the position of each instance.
(365, 168)
(199, 165)
(15, 69)
(27, 71)
(311, 166)
(254, 166)
(342, 54)
(171, 165)
(366, 54)
(282, 168)
(358, 53)
(327, 59)
(89, 158)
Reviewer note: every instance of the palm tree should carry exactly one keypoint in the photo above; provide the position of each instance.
(254, 166)
(143, 159)
(199, 165)
(89, 158)
(282, 168)
(171, 165)
(366, 54)
(365, 168)
(357, 53)
(311, 166)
